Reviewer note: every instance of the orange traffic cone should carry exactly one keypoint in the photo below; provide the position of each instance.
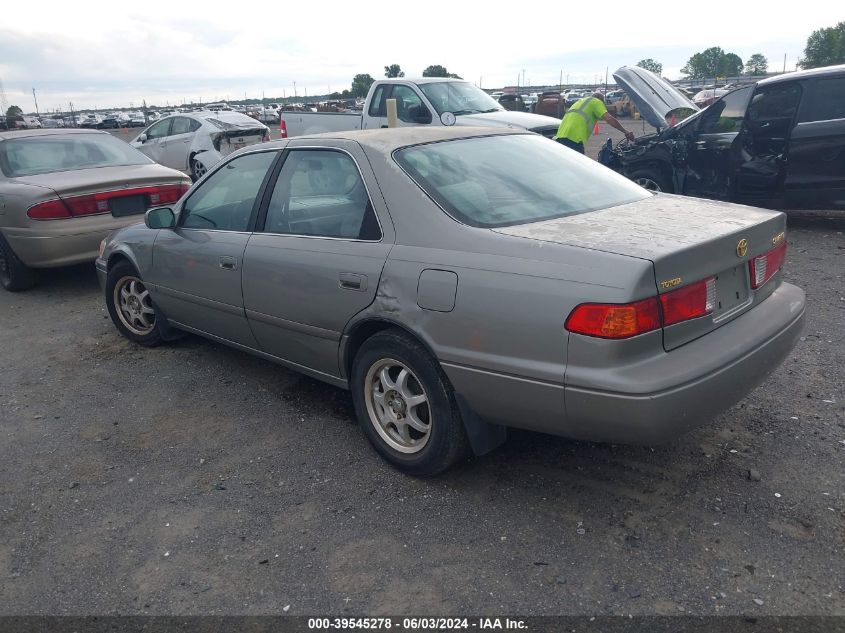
(596, 128)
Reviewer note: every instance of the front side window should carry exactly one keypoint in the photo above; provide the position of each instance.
(159, 130)
(321, 193)
(377, 105)
(409, 106)
(44, 154)
(825, 100)
(225, 201)
(538, 180)
(726, 114)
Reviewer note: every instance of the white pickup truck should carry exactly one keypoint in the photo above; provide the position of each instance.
(428, 101)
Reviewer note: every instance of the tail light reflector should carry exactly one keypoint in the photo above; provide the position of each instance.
(763, 267)
(690, 302)
(283, 129)
(613, 320)
(98, 203)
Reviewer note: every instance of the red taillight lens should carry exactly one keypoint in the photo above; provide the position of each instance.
(283, 129)
(98, 203)
(763, 267)
(50, 210)
(690, 302)
(610, 320)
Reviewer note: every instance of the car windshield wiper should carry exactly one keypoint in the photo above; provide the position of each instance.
(467, 111)
(491, 110)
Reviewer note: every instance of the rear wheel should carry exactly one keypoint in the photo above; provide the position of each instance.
(130, 305)
(14, 274)
(652, 179)
(198, 169)
(405, 405)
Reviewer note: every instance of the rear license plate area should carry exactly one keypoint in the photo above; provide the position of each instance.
(128, 205)
(731, 290)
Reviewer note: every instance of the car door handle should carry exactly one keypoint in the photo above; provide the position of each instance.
(383, 126)
(228, 263)
(353, 281)
(162, 144)
(187, 140)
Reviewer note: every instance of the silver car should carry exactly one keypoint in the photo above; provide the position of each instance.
(460, 281)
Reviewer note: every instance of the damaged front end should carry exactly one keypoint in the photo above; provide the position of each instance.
(656, 161)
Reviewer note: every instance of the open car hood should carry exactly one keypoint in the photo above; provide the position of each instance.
(654, 97)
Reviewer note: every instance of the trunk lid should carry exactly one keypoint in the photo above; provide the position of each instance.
(654, 97)
(80, 181)
(686, 239)
(233, 140)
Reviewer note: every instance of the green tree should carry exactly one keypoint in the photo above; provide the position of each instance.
(361, 85)
(14, 111)
(393, 71)
(650, 64)
(825, 47)
(757, 64)
(730, 65)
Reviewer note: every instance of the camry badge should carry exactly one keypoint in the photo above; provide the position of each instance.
(742, 248)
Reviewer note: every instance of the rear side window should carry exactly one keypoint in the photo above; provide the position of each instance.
(183, 125)
(321, 193)
(825, 100)
(224, 202)
(45, 154)
(515, 179)
(377, 105)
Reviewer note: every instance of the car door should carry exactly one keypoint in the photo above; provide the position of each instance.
(197, 265)
(377, 111)
(155, 142)
(762, 153)
(815, 171)
(317, 254)
(410, 108)
(177, 145)
(710, 147)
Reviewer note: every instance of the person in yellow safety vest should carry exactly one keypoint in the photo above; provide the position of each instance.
(579, 121)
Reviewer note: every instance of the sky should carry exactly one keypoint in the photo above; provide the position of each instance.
(118, 54)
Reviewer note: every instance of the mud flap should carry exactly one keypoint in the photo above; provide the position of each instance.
(167, 331)
(483, 436)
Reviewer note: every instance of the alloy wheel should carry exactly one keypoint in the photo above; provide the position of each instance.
(398, 406)
(648, 183)
(134, 306)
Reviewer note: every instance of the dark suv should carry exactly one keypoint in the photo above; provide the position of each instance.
(779, 142)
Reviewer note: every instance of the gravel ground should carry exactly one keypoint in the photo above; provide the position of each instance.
(195, 479)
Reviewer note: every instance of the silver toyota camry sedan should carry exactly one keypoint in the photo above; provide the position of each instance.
(459, 281)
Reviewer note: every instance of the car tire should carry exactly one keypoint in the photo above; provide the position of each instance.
(14, 274)
(130, 307)
(652, 179)
(198, 169)
(405, 405)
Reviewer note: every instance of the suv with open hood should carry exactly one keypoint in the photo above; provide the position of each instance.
(779, 142)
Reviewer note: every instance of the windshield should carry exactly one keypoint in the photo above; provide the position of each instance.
(516, 179)
(459, 97)
(33, 155)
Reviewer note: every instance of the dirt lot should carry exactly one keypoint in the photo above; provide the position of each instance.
(193, 478)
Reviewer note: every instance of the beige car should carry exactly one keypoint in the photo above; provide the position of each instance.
(63, 191)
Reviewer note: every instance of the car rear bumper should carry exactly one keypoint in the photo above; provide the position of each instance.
(655, 399)
(61, 246)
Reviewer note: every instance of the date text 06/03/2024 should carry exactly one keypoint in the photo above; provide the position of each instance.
(417, 624)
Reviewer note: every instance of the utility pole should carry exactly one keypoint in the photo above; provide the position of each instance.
(784, 63)
(4, 105)
(36, 102)
(294, 90)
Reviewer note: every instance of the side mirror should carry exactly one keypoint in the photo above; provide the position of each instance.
(160, 218)
(142, 138)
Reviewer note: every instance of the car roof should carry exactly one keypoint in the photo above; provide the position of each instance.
(805, 74)
(5, 136)
(388, 139)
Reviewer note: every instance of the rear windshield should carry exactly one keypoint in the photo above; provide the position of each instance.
(506, 180)
(28, 156)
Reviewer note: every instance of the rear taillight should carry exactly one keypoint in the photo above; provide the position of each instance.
(98, 203)
(690, 302)
(283, 129)
(763, 267)
(612, 320)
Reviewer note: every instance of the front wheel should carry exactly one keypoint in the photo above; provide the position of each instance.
(405, 405)
(652, 179)
(130, 305)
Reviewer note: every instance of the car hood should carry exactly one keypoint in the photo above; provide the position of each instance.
(654, 97)
(509, 118)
